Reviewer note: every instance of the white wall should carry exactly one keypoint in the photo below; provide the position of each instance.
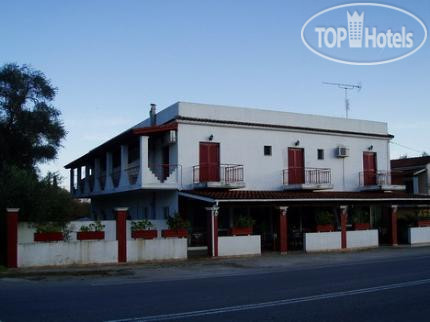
(362, 238)
(419, 235)
(245, 146)
(156, 249)
(239, 245)
(67, 253)
(317, 242)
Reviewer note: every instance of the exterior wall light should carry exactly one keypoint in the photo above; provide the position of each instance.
(211, 137)
(297, 143)
(370, 148)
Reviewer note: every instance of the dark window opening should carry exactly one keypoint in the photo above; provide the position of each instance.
(267, 150)
(320, 154)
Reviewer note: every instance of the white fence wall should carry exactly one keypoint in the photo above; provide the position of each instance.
(156, 249)
(67, 253)
(239, 245)
(318, 242)
(362, 238)
(419, 235)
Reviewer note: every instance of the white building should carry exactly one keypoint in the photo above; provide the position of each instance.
(245, 161)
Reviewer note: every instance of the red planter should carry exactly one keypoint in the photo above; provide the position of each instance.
(361, 226)
(325, 228)
(241, 231)
(48, 237)
(424, 223)
(145, 234)
(90, 235)
(179, 233)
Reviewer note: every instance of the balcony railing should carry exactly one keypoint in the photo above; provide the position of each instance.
(102, 179)
(163, 171)
(91, 181)
(133, 173)
(301, 175)
(380, 178)
(116, 176)
(224, 173)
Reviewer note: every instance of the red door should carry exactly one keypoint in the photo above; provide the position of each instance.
(296, 166)
(369, 168)
(209, 162)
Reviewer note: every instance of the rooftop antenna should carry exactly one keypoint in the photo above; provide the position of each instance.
(346, 88)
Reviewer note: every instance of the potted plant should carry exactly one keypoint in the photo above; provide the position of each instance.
(361, 220)
(92, 231)
(177, 227)
(324, 220)
(424, 218)
(242, 226)
(142, 229)
(47, 232)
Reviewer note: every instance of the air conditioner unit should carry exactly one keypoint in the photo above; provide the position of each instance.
(342, 152)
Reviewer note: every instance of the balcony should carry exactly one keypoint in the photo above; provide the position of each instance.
(381, 181)
(307, 179)
(223, 176)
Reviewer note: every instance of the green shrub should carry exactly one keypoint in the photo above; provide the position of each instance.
(244, 221)
(177, 222)
(324, 217)
(49, 227)
(143, 224)
(95, 226)
(360, 217)
(424, 214)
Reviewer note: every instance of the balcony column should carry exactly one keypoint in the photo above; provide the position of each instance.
(212, 232)
(96, 187)
(123, 181)
(72, 180)
(144, 166)
(109, 169)
(393, 225)
(79, 178)
(283, 230)
(343, 222)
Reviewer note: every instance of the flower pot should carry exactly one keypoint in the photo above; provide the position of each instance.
(144, 234)
(48, 236)
(361, 226)
(325, 228)
(424, 223)
(241, 231)
(90, 235)
(178, 233)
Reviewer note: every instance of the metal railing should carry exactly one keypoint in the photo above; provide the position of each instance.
(133, 173)
(299, 175)
(373, 178)
(226, 173)
(116, 176)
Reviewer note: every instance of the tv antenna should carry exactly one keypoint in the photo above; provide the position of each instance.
(346, 88)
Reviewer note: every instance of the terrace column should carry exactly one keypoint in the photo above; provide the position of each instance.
(124, 166)
(109, 168)
(393, 225)
(12, 237)
(212, 231)
(96, 174)
(79, 178)
(143, 158)
(283, 230)
(343, 221)
(121, 233)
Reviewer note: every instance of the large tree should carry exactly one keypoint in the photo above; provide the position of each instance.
(30, 128)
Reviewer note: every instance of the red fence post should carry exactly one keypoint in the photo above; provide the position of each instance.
(212, 231)
(393, 220)
(12, 237)
(343, 221)
(121, 233)
(283, 229)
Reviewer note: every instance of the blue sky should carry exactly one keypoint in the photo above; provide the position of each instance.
(111, 59)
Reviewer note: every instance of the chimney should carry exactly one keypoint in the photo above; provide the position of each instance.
(153, 115)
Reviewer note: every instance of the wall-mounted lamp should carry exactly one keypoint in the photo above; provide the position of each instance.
(211, 137)
(370, 148)
(297, 143)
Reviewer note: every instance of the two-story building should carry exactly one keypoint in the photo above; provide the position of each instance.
(199, 159)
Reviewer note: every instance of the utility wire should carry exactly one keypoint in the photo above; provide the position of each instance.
(407, 147)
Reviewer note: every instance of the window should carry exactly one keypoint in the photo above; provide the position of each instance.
(267, 150)
(320, 154)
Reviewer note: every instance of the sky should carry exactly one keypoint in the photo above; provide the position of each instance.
(111, 59)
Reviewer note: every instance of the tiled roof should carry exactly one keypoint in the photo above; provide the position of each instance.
(410, 162)
(292, 195)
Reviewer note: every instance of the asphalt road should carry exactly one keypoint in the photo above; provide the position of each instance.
(396, 288)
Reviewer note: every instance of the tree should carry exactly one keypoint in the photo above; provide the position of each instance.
(30, 128)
